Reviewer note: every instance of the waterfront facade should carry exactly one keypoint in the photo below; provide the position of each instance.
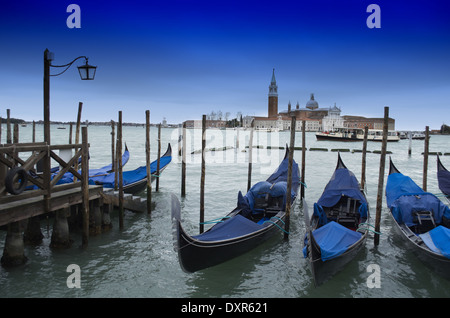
(316, 118)
(209, 123)
(371, 123)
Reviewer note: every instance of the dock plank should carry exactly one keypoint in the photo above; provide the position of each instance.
(23, 209)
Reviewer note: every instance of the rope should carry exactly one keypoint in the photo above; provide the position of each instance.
(277, 226)
(213, 221)
(274, 217)
(368, 229)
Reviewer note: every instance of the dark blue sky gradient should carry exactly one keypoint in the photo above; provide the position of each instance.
(181, 59)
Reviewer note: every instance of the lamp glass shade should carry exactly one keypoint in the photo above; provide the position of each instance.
(87, 72)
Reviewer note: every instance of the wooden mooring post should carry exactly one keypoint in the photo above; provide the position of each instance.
(183, 162)
(202, 178)
(158, 160)
(16, 133)
(33, 138)
(381, 177)
(363, 159)
(119, 168)
(289, 177)
(8, 127)
(250, 155)
(425, 158)
(410, 143)
(70, 133)
(302, 177)
(113, 141)
(147, 161)
(85, 186)
(77, 131)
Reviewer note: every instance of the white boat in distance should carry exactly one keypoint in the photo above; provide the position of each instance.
(356, 134)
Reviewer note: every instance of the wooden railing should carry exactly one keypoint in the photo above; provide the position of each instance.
(43, 153)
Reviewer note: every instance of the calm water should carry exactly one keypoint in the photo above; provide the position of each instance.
(139, 261)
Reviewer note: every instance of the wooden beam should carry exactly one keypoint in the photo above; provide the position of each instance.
(25, 208)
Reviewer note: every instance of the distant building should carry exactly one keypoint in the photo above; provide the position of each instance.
(312, 114)
(273, 97)
(333, 120)
(209, 123)
(316, 118)
(371, 123)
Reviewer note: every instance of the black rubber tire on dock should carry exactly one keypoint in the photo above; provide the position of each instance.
(22, 176)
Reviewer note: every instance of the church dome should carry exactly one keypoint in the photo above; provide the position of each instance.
(312, 104)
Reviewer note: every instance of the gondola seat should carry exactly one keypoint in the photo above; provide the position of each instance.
(261, 198)
(424, 221)
(348, 211)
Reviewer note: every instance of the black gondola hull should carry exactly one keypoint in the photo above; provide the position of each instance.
(139, 186)
(196, 255)
(435, 261)
(322, 270)
(443, 177)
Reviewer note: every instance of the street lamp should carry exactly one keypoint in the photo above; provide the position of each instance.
(87, 72)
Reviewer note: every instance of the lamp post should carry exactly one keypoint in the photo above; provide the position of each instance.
(87, 72)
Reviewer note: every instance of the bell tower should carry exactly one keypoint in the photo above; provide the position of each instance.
(273, 97)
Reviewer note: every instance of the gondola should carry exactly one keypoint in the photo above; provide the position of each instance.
(259, 215)
(98, 172)
(443, 176)
(135, 181)
(338, 228)
(421, 219)
(105, 169)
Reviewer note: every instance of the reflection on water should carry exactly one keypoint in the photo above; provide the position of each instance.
(139, 261)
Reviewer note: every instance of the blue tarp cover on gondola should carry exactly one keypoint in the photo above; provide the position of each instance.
(275, 186)
(261, 190)
(404, 197)
(238, 225)
(397, 185)
(281, 175)
(233, 227)
(333, 240)
(343, 182)
(438, 240)
(68, 177)
(131, 176)
(444, 181)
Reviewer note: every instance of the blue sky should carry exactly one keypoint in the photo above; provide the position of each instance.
(181, 59)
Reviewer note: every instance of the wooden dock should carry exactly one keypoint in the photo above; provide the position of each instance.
(22, 208)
